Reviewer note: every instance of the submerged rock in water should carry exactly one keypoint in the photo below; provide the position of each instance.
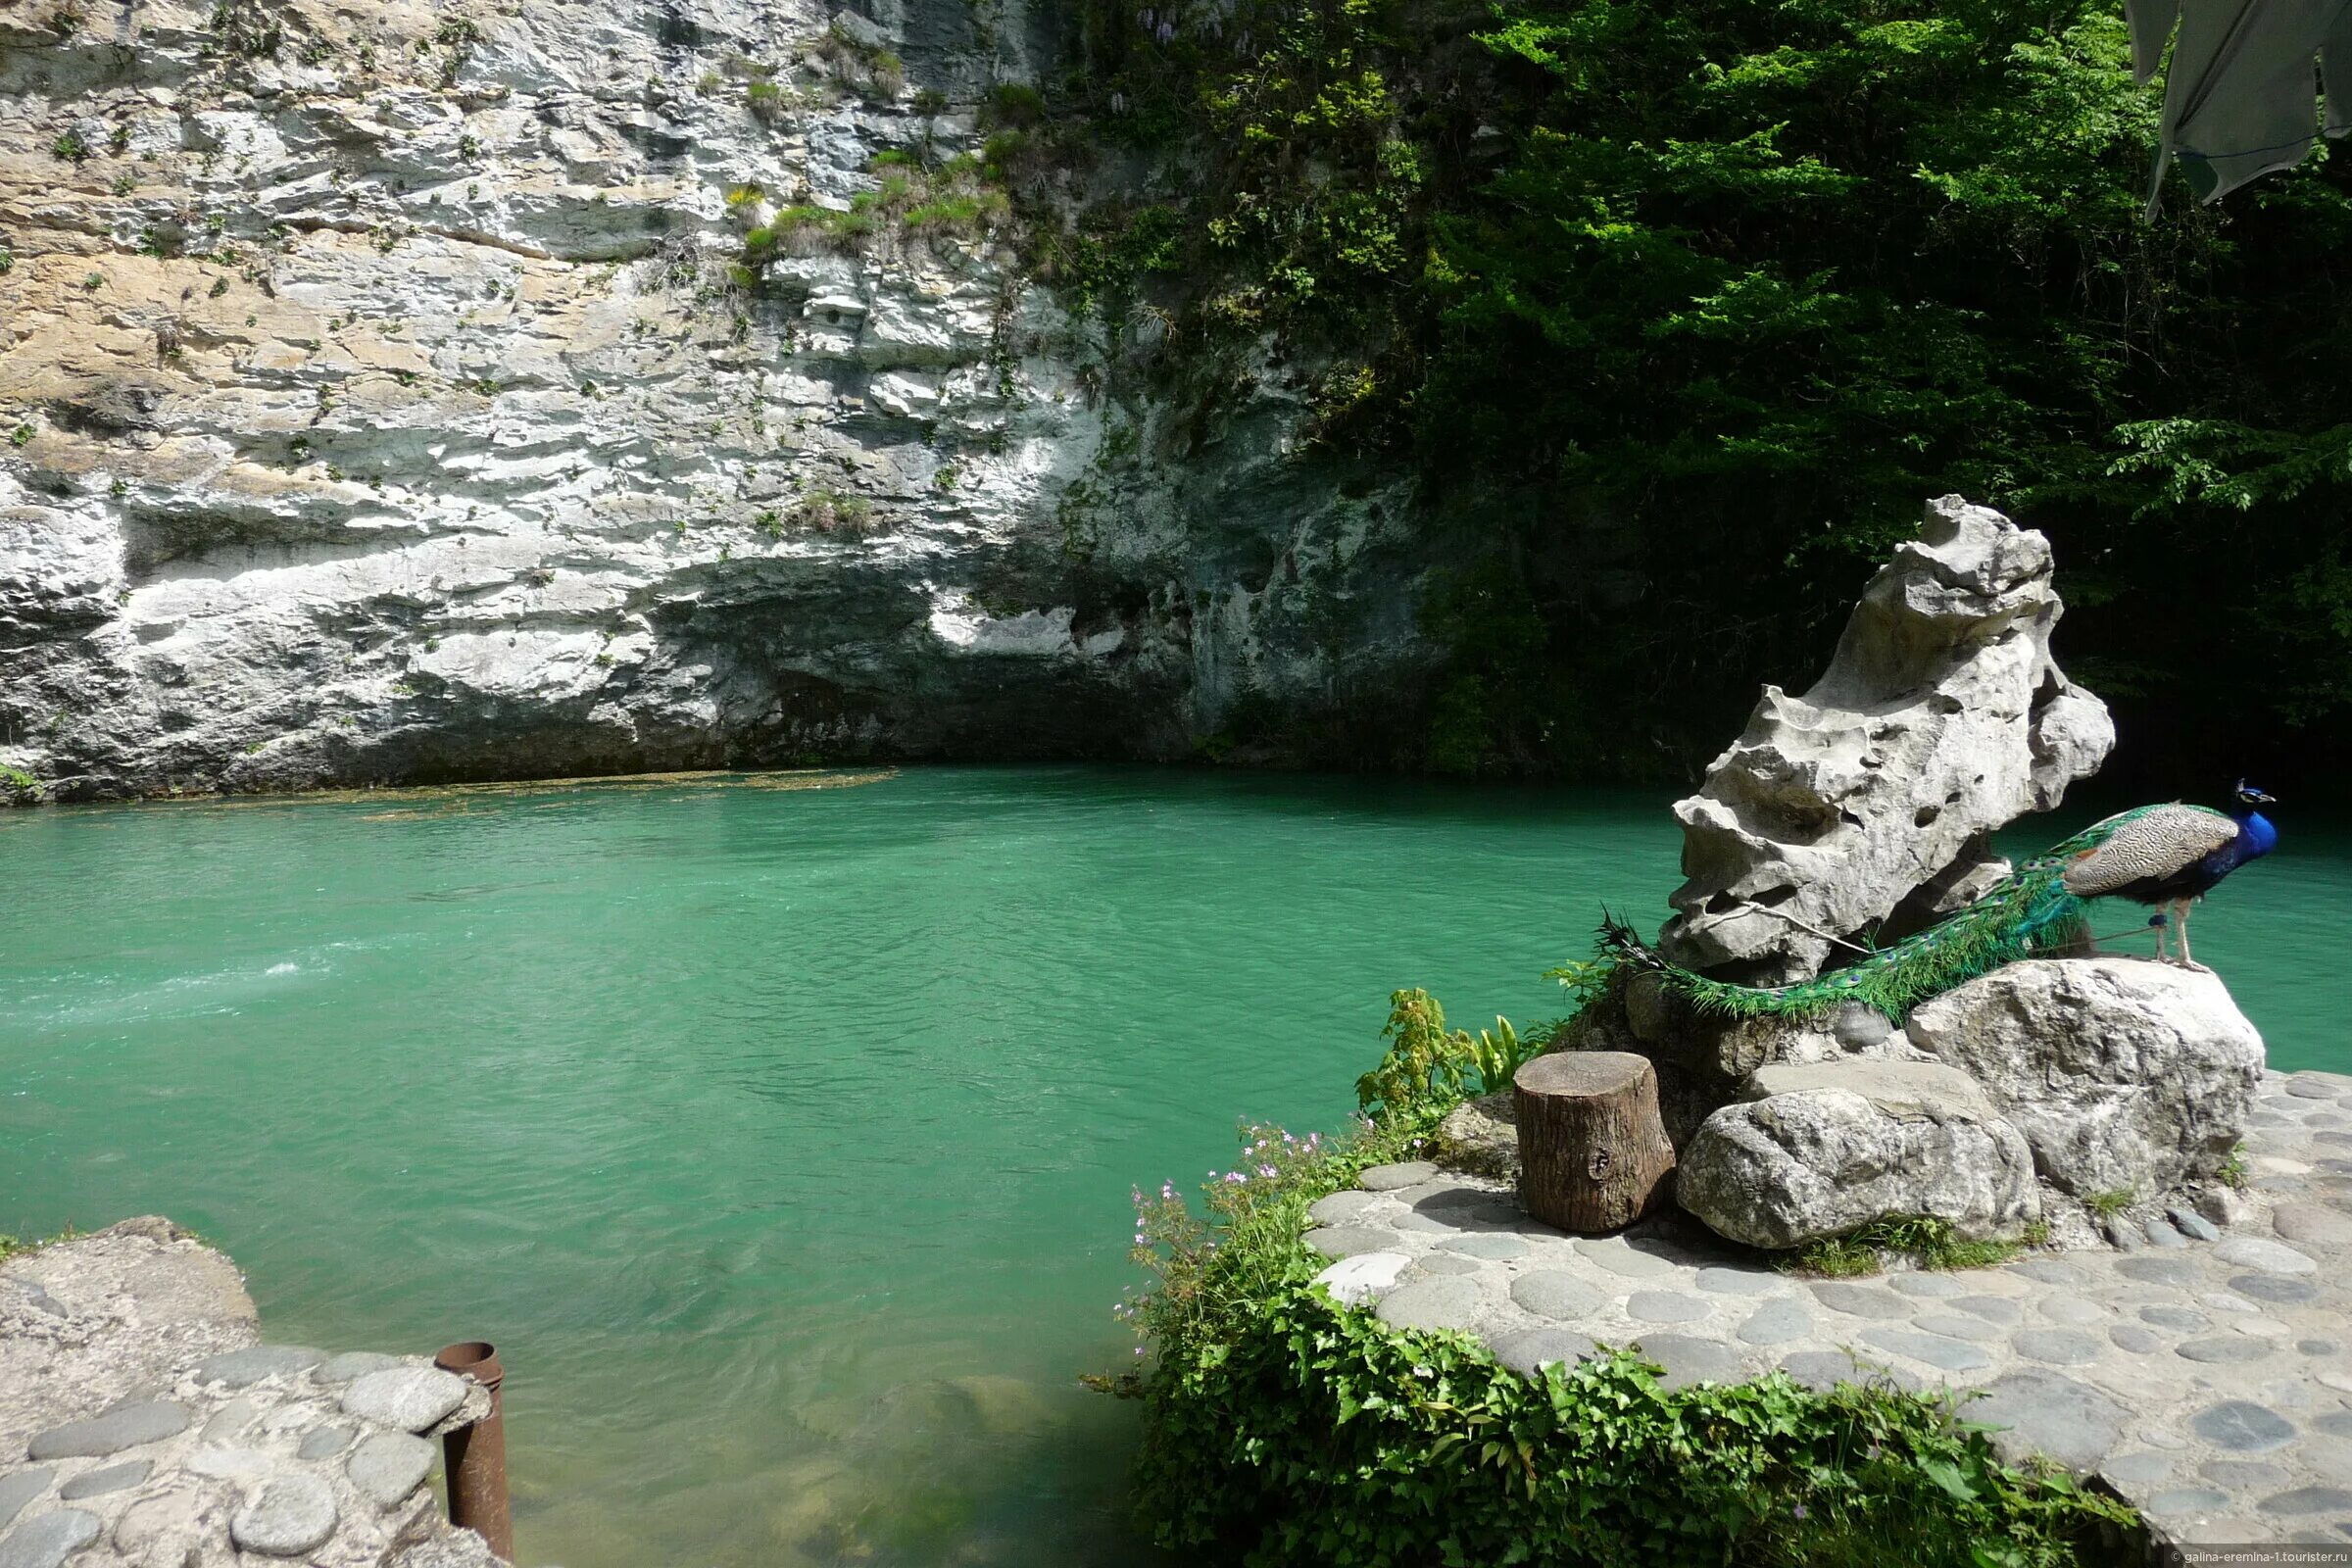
(1942, 717)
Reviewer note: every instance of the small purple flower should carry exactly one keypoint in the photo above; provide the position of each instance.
(1265, 1171)
(1167, 30)
(1798, 1510)
(1235, 1176)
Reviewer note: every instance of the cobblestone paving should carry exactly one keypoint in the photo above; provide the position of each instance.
(268, 1454)
(2206, 1372)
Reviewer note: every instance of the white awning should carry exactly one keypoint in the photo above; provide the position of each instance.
(2239, 95)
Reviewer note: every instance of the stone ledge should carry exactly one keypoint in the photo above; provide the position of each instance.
(2206, 1378)
(141, 1422)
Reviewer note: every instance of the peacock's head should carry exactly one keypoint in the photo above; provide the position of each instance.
(2251, 796)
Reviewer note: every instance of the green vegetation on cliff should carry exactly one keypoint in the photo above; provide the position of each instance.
(1678, 312)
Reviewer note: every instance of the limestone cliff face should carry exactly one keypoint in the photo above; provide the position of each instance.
(381, 403)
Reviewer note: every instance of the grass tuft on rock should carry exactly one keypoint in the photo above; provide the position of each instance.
(1928, 1241)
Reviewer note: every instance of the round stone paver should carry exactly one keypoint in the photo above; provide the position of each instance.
(48, 1539)
(1925, 1287)
(2135, 1340)
(288, 1514)
(1665, 1307)
(2178, 1272)
(325, 1442)
(1718, 1279)
(1490, 1244)
(2313, 1224)
(2138, 1469)
(2279, 1290)
(2272, 1258)
(1439, 1303)
(1992, 1308)
(2309, 1500)
(126, 1427)
(389, 1465)
(1530, 1349)
(354, 1364)
(98, 1482)
(2242, 1475)
(1860, 1300)
(240, 1370)
(2050, 1271)
(1823, 1370)
(2057, 1347)
(1556, 1293)
(412, 1397)
(1338, 1209)
(1950, 1355)
(1615, 1255)
(1424, 1224)
(2188, 1500)
(1776, 1322)
(2050, 1413)
(1352, 1281)
(1446, 1263)
(1958, 1326)
(2071, 1310)
(20, 1487)
(1332, 1241)
(1396, 1177)
(2241, 1426)
(2231, 1350)
(1690, 1359)
(2181, 1319)
(2193, 1224)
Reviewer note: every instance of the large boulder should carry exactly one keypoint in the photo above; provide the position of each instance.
(1941, 716)
(2124, 1075)
(1826, 1148)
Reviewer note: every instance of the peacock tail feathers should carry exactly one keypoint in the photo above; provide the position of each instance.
(2026, 914)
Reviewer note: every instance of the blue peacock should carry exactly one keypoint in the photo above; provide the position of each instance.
(2166, 856)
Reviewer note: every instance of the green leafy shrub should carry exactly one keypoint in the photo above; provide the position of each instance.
(1282, 1428)
(1306, 1433)
(1427, 1069)
(833, 512)
(1013, 102)
(766, 100)
(71, 147)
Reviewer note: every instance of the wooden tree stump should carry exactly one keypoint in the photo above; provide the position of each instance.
(1592, 1152)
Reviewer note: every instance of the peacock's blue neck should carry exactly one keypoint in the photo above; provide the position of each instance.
(2256, 838)
(2261, 838)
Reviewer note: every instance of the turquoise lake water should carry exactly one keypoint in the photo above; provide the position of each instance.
(782, 1138)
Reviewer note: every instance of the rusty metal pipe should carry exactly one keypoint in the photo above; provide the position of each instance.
(475, 1455)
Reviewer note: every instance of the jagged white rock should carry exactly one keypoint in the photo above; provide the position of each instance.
(1943, 715)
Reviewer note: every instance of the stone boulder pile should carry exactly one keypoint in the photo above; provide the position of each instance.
(2075, 1097)
(2055, 1090)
